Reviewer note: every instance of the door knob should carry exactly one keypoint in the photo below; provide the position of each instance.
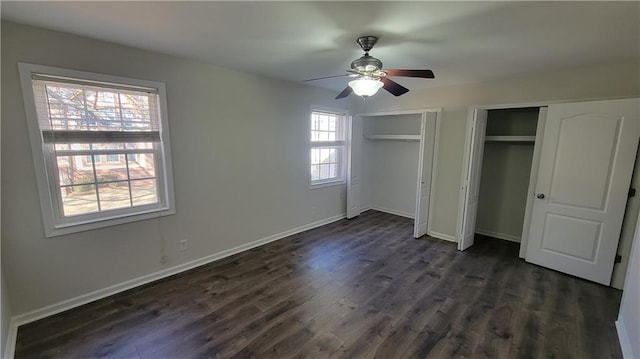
(540, 195)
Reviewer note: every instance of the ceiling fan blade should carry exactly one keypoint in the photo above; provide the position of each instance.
(346, 92)
(325, 77)
(426, 74)
(393, 87)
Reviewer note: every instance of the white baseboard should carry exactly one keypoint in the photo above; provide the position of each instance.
(446, 237)
(392, 211)
(506, 237)
(625, 342)
(56, 308)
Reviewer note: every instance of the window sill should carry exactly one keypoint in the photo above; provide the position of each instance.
(327, 184)
(64, 229)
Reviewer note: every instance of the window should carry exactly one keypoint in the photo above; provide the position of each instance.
(113, 158)
(93, 159)
(327, 147)
(100, 145)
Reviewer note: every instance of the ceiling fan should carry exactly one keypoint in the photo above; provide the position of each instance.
(369, 75)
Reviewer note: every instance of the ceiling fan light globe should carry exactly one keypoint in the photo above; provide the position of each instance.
(365, 87)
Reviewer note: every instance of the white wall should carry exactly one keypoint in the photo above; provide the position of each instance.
(392, 176)
(5, 305)
(628, 323)
(503, 189)
(240, 159)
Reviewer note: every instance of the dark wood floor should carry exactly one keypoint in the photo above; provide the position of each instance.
(358, 288)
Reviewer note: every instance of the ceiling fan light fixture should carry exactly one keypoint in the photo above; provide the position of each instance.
(365, 86)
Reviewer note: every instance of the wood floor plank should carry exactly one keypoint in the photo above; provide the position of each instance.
(360, 288)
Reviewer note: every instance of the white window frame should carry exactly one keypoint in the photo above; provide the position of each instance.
(46, 169)
(342, 144)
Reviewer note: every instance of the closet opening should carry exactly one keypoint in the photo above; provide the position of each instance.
(505, 173)
(502, 157)
(393, 155)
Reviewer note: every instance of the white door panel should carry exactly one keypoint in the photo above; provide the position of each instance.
(425, 165)
(586, 146)
(472, 186)
(585, 169)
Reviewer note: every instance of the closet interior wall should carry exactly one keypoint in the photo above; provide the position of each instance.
(390, 154)
(506, 168)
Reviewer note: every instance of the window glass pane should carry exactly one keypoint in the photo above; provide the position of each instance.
(78, 146)
(114, 195)
(73, 170)
(315, 172)
(327, 154)
(80, 199)
(324, 171)
(110, 170)
(144, 192)
(324, 123)
(62, 146)
(143, 166)
(93, 159)
(106, 146)
(139, 145)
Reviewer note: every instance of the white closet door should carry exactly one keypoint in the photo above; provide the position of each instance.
(353, 167)
(425, 165)
(467, 226)
(586, 164)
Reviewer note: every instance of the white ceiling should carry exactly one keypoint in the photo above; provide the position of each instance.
(459, 41)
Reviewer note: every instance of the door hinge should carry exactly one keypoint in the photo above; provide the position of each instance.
(618, 259)
(632, 192)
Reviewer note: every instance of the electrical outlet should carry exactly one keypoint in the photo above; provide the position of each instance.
(164, 260)
(184, 244)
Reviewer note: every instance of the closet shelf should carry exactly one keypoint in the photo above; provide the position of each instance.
(393, 137)
(510, 138)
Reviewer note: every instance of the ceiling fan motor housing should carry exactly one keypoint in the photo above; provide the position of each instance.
(366, 64)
